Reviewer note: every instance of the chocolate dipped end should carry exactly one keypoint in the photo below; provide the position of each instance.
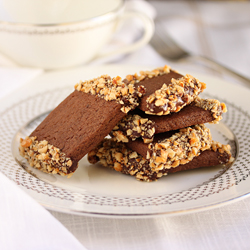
(75, 127)
(153, 84)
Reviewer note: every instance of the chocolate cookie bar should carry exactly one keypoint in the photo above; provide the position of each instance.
(173, 148)
(138, 124)
(166, 90)
(122, 159)
(79, 123)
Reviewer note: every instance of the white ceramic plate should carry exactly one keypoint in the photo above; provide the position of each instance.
(97, 191)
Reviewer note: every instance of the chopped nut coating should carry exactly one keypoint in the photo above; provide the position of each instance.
(135, 165)
(214, 106)
(44, 156)
(113, 89)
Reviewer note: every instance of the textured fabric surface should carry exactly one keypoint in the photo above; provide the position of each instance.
(27, 225)
(226, 227)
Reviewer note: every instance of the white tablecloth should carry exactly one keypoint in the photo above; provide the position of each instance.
(220, 30)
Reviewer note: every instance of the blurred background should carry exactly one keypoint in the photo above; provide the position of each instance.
(216, 29)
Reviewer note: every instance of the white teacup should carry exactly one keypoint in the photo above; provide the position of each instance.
(55, 34)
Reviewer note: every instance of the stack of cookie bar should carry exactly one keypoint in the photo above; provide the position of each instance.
(155, 119)
(166, 133)
(78, 124)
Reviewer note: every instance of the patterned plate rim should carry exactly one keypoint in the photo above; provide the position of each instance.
(242, 159)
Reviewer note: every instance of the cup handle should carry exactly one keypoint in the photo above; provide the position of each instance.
(148, 26)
